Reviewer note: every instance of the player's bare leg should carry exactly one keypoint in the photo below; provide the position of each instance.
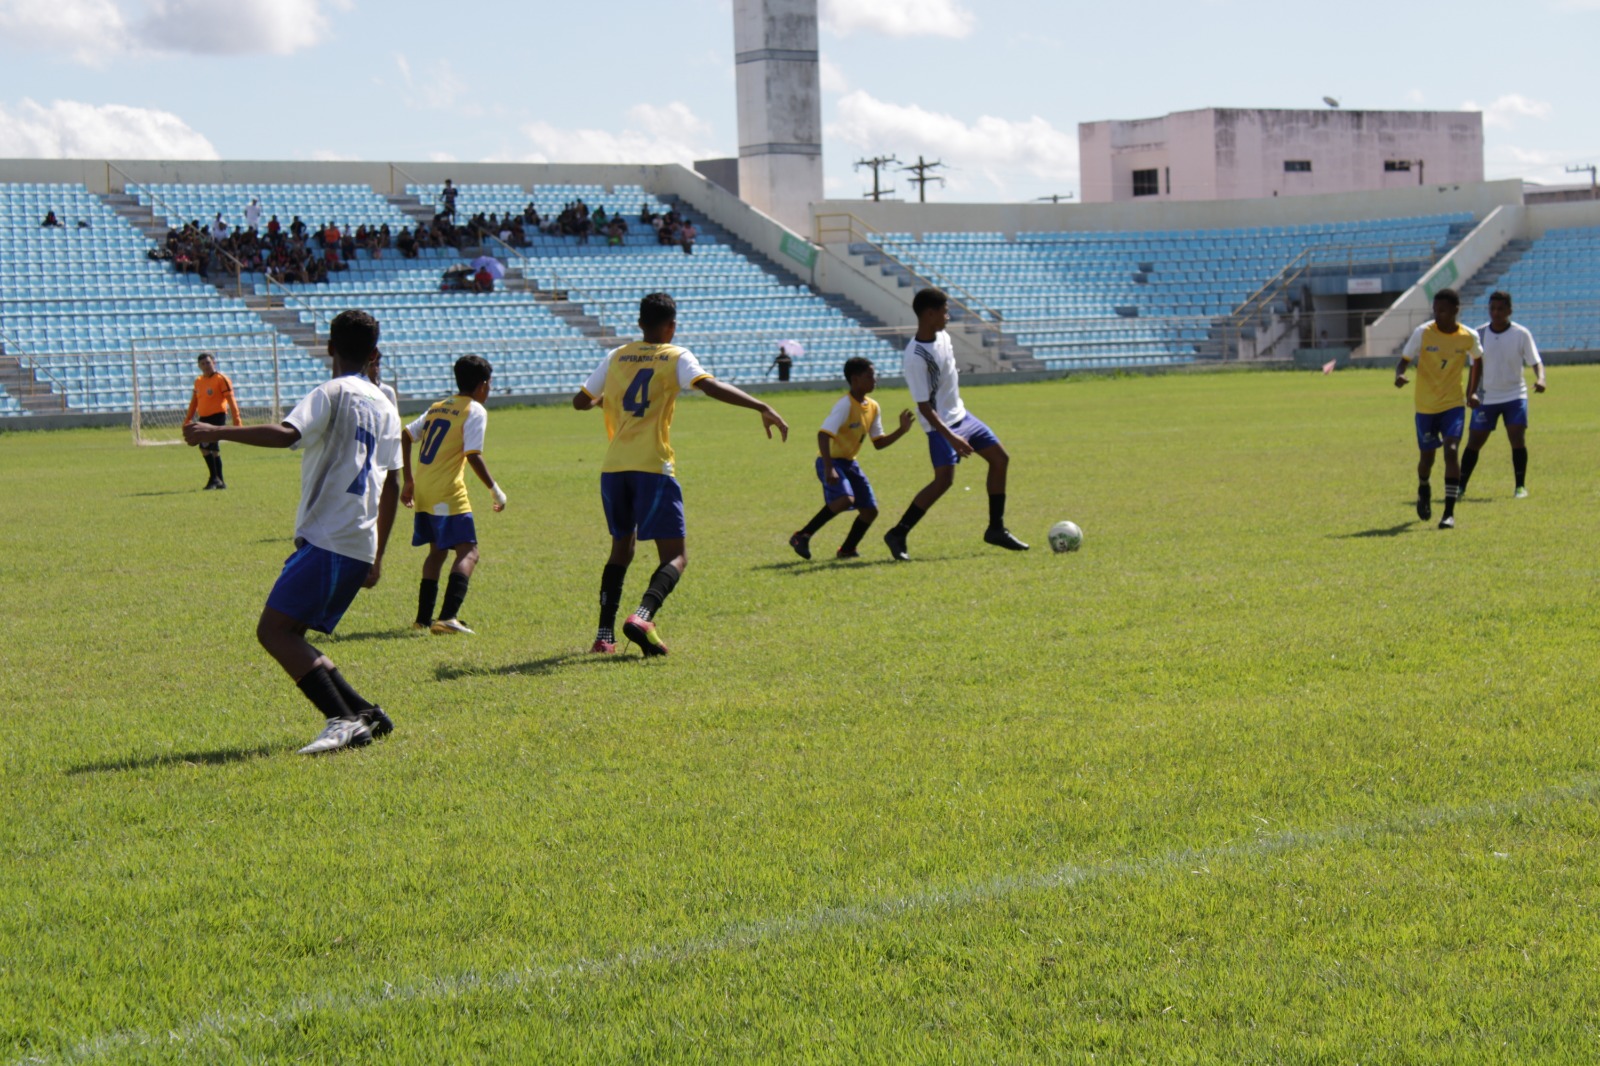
(1424, 490)
(997, 533)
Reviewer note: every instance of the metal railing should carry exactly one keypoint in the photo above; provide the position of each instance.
(853, 229)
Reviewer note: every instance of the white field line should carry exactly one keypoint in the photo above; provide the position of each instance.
(748, 934)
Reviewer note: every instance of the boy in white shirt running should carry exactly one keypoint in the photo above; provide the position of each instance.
(931, 375)
(1507, 349)
(350, 436)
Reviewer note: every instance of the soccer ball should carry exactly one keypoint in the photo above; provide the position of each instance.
(1065, 537)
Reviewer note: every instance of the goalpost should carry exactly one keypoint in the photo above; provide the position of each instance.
(161, 374)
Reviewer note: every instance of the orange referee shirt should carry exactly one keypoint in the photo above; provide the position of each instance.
(212, 396)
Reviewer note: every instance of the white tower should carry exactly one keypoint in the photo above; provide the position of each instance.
(780, 108)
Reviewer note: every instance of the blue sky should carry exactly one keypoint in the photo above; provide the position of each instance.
(995, 88)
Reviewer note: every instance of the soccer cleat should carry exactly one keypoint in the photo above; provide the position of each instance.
(1001, 537)
(1520, 494)
(1447, 522)
(644, 634)
(1424, 503)
(221, 484)
(210, 485)
(801, 543)
(421, 627)
(896, 541)
(339, 733)
(378, 723)
(603, 647)
(448, 625)
(847, 553)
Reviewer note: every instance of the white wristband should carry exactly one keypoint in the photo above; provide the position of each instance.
(499, 495)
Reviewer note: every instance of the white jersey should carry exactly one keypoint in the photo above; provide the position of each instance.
(350, 439)
(1504, 356)
(931, 375)
(389, 394)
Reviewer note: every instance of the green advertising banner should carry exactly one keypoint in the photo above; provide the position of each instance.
(802, 252)
(1442, 279)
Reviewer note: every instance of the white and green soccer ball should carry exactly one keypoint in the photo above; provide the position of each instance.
(1065, 537)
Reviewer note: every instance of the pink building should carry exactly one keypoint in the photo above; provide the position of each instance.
(1235, 154)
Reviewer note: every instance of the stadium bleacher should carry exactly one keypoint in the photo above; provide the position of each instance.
(1554, 288)
(77, 303)
(1151, 296)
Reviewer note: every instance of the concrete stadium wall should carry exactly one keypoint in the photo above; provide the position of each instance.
(897, 217)
(1545, 217)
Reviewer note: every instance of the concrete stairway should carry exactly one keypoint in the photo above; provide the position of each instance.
(36, 397)
(1494, 270)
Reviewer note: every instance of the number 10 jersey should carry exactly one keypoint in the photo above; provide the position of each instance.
(637, 386)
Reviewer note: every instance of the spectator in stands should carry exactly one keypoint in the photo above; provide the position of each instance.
(297, 228)
(599, 217)
(616, 230)
(252, 214)
(687, 236)
(51, 221)
(274, 228)
(406, 243)
(447, 196)
(483, 280)
(646, 216)
(331, 234)
(219, 229)
(530, 214)
(84, 223)
(347, 245)
(331, 260)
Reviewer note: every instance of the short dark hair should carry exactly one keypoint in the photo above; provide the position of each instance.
(929, 299)
(204, 355)
(353, 336)
(1449, 296)
(1500, 295)
(472, 371)
(657, 309)
(856, 364)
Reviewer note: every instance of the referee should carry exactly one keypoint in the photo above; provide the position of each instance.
(212, 400)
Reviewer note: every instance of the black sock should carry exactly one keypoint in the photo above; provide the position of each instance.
(661, 585)
(352, 698)
(427, 596)
(1469, 459)
(1424, 491)
(909, 520)
(216, 463)
(211, 464)
(1519, 464)
(455, 591)
(997, 510)
(858, 529)
(610, 597)
(1452, 489)
(319, 688)
(818, 520)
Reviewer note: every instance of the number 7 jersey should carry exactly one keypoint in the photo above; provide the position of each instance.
(637, 386)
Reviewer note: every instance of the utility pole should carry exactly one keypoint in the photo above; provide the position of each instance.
(921, 169)
(877, 163)
(1055, 197)
(1594, 191)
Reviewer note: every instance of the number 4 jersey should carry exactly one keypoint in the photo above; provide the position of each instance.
(350, 439)
(637, 386)
(450, 431)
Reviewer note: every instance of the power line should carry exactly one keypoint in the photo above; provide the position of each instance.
(921, 168)
(877, 163)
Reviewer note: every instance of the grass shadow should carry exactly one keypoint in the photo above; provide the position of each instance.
(377, 634)
(533, 667)
(193, 758)
(1387, 531)
(164, 492)
(802, 568)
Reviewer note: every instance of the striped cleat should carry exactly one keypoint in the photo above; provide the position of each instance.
(643, 633)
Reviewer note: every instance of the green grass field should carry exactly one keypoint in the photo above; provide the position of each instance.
(1269, 772)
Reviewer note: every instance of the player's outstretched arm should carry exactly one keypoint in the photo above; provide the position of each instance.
(582, 401)
(282, 435)
(729, 394)
(482, 470)
(961, 447)
(906, 418)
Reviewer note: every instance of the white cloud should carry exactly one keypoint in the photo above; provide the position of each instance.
(997, 149)
(67, 129)
(91, 31)
(897, 18)
(1505, 111)
(1533, 164)
(1417, 97)
(669, 133)
(440, 88)
(833, 79)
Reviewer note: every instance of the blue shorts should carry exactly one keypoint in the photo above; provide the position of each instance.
(852, 482)
(1434, 430)
(443, 531)
(317, 586)
(1485, 417)
(968, 429)
(648, 506)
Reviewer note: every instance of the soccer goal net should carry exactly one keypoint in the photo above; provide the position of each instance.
(162, 380)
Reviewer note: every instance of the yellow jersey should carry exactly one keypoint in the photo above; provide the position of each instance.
(1441, 360)
(450, 431)
(850, 424)
(637, 386)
